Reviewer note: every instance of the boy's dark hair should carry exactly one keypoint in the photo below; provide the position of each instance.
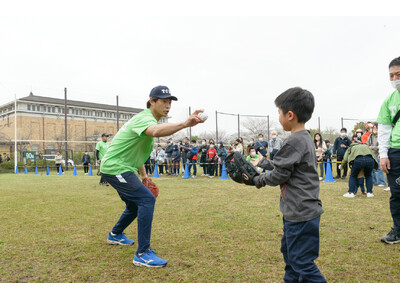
(343, 129)
(194, 141)
(327, 141)
(297, 100)
(261, 134)
(148, 102)
(395, 62)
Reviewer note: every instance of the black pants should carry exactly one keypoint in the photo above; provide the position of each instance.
(86, 168)
(102, 180)
(58, 168)
(394, 184)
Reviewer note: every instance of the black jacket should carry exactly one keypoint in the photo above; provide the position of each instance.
(337, 149)
(86, 159)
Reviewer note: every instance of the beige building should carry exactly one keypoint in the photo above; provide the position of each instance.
(41, 124)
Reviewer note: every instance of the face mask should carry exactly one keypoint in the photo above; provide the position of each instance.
(375, 132)
(252, 154)
(343, 134)
(211, 146)
(396, 84)
(260, 139)
(359, 134)
(203, 143)
(251, 142)
(274, 136)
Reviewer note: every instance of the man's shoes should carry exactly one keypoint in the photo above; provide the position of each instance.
(363, 194)
(381, 185)
(337, 177)
(370, 195)
(343, 177)
(392, 237)
(349, 195)
(387, 189)
(119, 239)
(149, 259)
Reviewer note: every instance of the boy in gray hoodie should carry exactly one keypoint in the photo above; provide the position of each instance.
(294, 169)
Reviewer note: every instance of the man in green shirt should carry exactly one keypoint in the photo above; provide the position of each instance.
(128, 152)
(389, 149)
(101, 149)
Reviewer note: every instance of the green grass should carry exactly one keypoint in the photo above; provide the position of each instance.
(54, 229)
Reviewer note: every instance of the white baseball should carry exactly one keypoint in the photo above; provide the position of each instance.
(203, 116)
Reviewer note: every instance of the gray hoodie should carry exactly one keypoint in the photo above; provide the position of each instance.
(294, 169)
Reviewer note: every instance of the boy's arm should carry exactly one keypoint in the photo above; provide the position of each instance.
(283, 167)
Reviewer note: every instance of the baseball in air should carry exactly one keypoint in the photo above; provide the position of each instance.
(203, 116)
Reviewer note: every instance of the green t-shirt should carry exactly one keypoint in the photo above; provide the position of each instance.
(386, 115)
(249, 157)
(102, 147)
(131, 147)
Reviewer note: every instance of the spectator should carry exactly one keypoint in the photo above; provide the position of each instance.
(243, 146)
(147, 166)
(184, 151)
(86, 162)
(176, 158)
(211, 160)
(222, 154)
(359, 134)
(275, 145)
(237, 146)
(1, 159)
(339, 149)
(360, 176)
(153, 155)
(168, 152)
(328, 154)
(378, 177)
(192, 156)
(368, 130)
(161, 159)
(249, 146)
(58, 159)
(359, 156)
(261, 145)
(203, 158)
(320, 149)
(252, 155)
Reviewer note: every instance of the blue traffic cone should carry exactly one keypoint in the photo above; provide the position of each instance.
(48, 171)
(199, 164)
(329, 175)
(156, 175)
(59, 170)
(26, 170)
(16, 170)
(90, 171)
(36, 171)
(186, 175)
(224, 174)
(74, 173)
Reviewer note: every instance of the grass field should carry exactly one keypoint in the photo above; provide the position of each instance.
(54, 229)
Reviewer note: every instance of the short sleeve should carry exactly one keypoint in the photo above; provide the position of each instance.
(384, 116)
(139, 125)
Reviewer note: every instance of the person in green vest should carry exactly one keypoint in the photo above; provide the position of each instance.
(389, 148)
(126, 155)
(101, 149)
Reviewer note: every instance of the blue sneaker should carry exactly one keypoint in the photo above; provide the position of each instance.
(119, 239)
(149, 259)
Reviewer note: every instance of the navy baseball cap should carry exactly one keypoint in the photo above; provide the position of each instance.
(105, 134)
(162, 92)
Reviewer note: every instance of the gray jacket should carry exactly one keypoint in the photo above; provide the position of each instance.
(294, 169)
(373, 143)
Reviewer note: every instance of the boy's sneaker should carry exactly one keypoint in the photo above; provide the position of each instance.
(381, 185)
(392, 237)
(119, 239)
(387, 189)
(370, 195)
(149, 259)
(194, 176)
(210, 176)
(349, 195)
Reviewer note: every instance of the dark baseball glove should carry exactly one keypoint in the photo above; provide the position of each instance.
(151, 186)
(239, 169)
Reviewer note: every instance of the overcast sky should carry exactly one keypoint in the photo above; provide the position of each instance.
(230, 64)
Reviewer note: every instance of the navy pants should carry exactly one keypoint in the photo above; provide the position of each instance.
(361, 162)
(193, 162)
(394, 184)
(140, 204)
(300, 247)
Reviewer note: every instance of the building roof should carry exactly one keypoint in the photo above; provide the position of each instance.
(57, 101)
